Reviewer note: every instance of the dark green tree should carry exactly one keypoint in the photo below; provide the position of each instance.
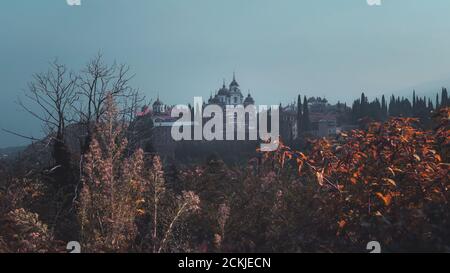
(444, 97)
(299, 114)
(306, 123)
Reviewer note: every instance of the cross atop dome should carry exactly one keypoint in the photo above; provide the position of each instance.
(234, 82)
(229, 96)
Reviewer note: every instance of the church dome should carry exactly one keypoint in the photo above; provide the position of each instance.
(234, 89)
(223, 91)
(249, 100)
(158, 107)
(234, 82)
(157, 103)
(214, 100)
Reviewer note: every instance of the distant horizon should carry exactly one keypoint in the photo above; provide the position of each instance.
(406, 92)
(431, 95)
(182, 49)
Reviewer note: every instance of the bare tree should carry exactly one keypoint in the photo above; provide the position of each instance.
(51, 97)
(97, 81)
(54, 94)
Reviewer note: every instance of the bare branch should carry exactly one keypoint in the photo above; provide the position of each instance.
(53, 92)
(19, 135)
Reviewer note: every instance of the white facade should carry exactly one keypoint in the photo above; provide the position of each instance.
(228, 96)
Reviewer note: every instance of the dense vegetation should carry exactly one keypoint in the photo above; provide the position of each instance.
(388, 182)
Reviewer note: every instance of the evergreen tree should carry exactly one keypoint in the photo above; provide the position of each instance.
(299, 114)
(306, 122)
(363, 106)
(384, 109)
(430, 105)
(356, 110)
(444, 97)
(392, 106)
(375, 110)
(437, 101)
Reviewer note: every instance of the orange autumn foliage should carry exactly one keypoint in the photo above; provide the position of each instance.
(378, 182)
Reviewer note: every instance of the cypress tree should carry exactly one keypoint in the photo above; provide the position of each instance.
(384, 110)
(363, 106)
(299, 114)
(392, 106)
(430, 105)
(437, 101)
(444, 97)
(306, 121)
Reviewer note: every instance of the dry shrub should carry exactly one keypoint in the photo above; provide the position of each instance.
(23, 232)
(124, 205)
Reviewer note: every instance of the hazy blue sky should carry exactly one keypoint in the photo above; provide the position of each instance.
(182, 48)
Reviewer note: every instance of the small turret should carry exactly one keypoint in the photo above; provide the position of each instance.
(249, 100)
(158, 106)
